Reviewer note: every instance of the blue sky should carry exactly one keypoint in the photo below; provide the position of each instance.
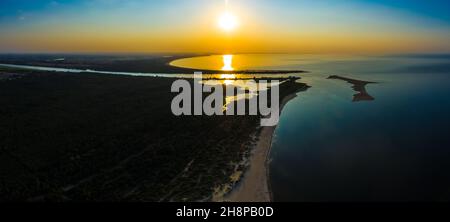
(438, 9)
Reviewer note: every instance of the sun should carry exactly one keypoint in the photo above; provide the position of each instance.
(228, 22)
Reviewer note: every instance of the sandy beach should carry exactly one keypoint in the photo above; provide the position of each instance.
(255, 184)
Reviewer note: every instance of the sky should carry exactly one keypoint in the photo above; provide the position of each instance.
(264, 26)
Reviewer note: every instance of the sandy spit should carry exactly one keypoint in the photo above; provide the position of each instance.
(255, 184)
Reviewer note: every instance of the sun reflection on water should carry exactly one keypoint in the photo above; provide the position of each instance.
(228, 76)
(228, 79)
(227, 63)
(228, 82)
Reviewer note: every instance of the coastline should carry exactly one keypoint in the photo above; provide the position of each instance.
(253, 170)
(186, 172)
(254, 185)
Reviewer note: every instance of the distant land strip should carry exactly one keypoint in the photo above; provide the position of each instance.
(139, 64)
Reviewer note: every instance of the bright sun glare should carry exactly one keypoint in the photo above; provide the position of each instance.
(228, 22)
(227, 63)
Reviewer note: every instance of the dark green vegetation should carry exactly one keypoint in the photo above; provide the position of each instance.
(111, 138)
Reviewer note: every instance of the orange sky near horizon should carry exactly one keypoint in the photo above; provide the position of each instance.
(262, 29)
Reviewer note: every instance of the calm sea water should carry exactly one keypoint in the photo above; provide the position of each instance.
(393, 148)
(327, 147)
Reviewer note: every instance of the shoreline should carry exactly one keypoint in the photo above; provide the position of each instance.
(256, 164)
(255, 185)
